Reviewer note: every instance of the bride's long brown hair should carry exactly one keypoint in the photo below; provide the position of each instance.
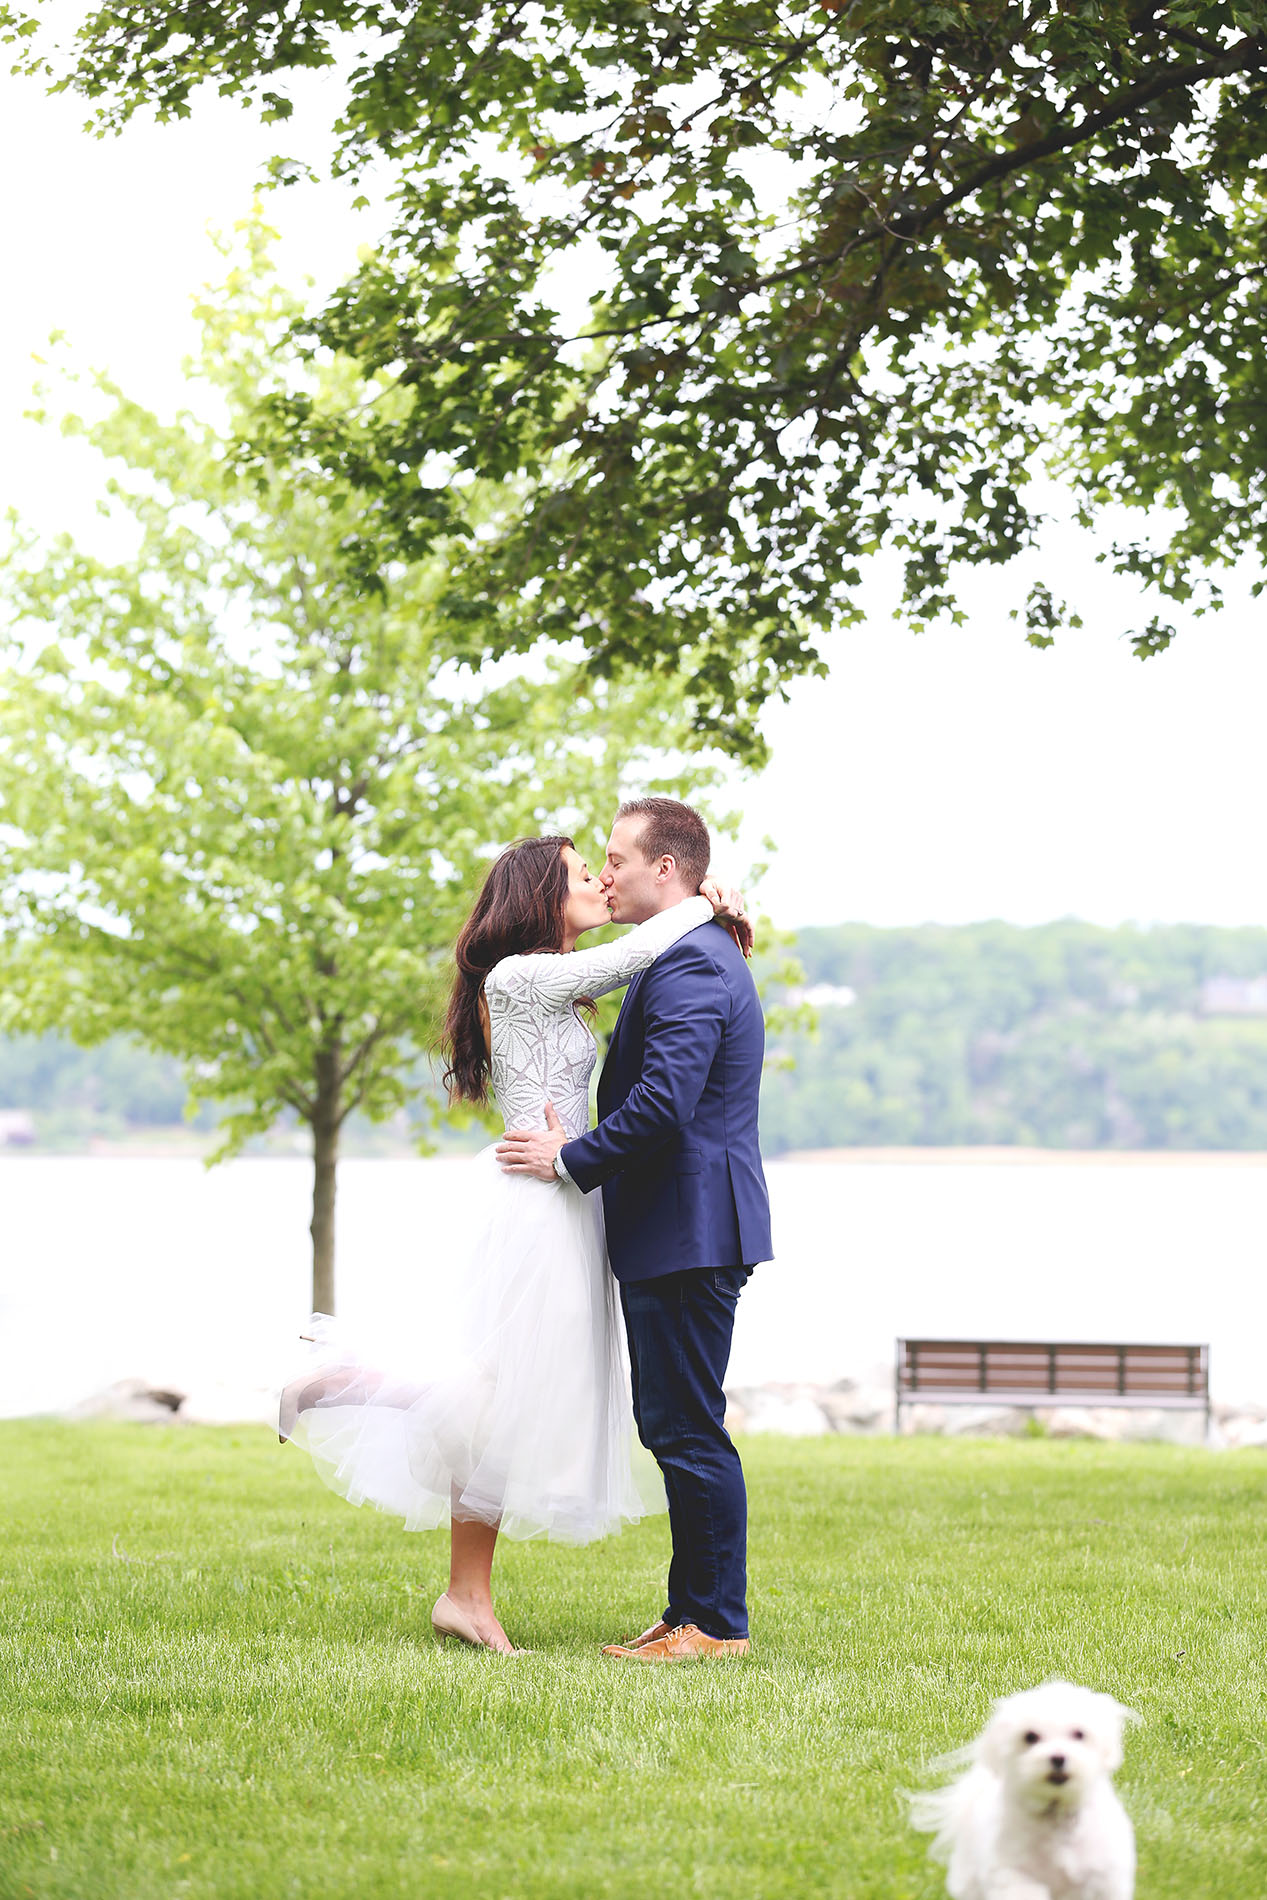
(522, 907)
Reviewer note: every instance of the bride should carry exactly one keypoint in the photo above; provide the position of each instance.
(514, 1417)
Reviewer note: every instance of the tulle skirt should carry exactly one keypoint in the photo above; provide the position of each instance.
(514, 1407)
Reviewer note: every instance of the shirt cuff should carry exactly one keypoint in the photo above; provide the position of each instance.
(560, 1168)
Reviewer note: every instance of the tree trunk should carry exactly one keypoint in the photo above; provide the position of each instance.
(325, 1158)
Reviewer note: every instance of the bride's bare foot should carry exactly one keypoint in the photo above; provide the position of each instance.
(472, 1621)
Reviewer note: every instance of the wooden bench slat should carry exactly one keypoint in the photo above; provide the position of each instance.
(1059, 1372)
(1029, 1347)
(1027, 1397)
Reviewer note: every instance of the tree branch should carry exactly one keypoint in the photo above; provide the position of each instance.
(1245, 55)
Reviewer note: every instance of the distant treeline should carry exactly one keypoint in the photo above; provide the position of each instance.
(54, 1095)
(72, 1094)
(1060, 1036)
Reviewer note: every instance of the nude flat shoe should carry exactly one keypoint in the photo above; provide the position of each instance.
(292, 1402)
(448, 1620)
(293, 1396)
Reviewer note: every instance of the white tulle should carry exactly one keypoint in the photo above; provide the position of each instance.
(514, 1407)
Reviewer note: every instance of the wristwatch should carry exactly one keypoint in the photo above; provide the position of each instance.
(559, 1168)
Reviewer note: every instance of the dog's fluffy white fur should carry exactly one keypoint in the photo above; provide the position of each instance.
(1035, 1816)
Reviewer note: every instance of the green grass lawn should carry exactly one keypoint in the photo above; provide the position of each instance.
(218, 1680)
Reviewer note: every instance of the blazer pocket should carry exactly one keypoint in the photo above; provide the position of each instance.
(690, 1161)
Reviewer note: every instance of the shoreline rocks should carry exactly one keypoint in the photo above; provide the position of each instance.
(865, 1408)
(858, 1408)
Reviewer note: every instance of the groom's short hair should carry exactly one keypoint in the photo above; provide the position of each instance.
(670, 829)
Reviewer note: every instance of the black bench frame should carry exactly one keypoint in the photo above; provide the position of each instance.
(1185, 1368)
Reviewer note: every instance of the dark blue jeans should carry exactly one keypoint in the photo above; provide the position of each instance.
(679, 1329)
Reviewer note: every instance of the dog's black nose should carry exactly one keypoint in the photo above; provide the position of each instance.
(1057, 1761)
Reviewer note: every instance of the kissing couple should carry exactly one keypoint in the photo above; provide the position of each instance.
(513, 1418)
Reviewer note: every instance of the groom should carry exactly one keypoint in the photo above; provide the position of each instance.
(684, 1197)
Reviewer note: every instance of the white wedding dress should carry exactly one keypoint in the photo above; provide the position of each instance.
(516, 1409)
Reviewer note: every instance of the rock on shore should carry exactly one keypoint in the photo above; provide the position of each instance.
(142, 1403)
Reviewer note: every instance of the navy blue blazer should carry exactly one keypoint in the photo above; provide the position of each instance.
(676, 1151)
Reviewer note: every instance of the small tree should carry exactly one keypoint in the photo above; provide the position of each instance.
(245, 801)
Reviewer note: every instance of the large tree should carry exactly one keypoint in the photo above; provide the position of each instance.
(245, 799)
(751, 289)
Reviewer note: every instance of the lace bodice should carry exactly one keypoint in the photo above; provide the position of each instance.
(541, 1050)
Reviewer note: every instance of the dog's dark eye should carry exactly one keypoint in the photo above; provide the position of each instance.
(1031, 1736)
(1078, 1735)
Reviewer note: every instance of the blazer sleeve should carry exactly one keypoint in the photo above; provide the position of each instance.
(686, 1007)
(554, 980)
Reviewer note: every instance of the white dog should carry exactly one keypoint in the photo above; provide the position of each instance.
(1035, 1817)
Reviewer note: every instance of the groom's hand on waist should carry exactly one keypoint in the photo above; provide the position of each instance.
(532, 1150)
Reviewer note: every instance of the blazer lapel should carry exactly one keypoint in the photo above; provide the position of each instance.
(631, 989)
(625, 1009)
(610, 1060)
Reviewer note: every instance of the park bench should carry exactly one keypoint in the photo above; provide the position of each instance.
(1031, 1373)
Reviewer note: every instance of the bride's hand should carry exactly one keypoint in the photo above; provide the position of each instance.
(727, 903)
(729, 909)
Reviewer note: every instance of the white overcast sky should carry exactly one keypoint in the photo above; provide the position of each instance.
(956, 776)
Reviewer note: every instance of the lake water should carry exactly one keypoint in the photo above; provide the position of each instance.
(112, 1268)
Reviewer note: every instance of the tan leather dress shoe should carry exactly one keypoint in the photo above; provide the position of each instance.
(636, 1642)
(684, 1644)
